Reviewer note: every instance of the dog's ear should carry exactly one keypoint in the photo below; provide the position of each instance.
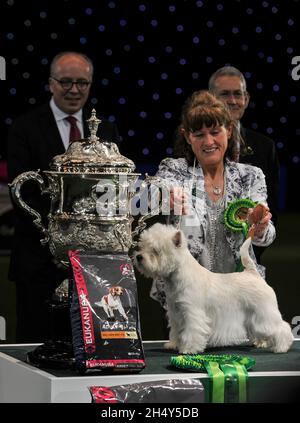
(177, 239)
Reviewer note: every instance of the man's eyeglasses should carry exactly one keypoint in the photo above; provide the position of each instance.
(235, 94)
(67, 84)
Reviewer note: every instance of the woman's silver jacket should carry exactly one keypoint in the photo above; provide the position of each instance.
(241, 181)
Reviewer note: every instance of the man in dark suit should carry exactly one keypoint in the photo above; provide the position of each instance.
(34, 139)
(229, 85)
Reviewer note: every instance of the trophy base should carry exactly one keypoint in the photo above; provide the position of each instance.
(53, 355)
(57, 352)
(59, 315)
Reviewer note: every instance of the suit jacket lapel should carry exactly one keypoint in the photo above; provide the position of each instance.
(53, 141)
(242, 131)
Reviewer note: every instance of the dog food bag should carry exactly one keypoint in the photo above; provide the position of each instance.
(160, 391)
(104, 313)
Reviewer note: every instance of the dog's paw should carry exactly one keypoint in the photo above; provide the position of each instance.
(280, 349)
(170, 345)
(261, 343)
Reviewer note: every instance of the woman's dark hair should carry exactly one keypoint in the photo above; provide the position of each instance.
(203, 109)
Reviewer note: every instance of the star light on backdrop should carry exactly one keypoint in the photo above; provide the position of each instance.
(150, 56)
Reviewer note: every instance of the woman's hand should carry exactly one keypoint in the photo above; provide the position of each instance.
(178, 201)
(259, 218)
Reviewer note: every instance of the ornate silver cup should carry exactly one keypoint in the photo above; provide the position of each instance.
(90, 186)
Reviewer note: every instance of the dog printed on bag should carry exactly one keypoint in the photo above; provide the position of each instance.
(104, 313)
(112, 301)
(207, 309)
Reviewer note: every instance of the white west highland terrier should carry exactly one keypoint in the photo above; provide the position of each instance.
(206, 308)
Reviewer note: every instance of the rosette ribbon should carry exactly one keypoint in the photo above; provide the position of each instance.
(228, 374)
(235, 219)
(233, 215)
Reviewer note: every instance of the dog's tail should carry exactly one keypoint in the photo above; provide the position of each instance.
(247, 261)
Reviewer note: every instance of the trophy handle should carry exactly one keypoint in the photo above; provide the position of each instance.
(141, 224)
(15, 189)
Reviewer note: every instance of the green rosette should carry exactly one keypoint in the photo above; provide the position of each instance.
(227, 372)
(196, 362)
(235, 215)
(235, 219)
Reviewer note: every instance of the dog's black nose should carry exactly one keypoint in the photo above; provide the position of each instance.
(139, 257)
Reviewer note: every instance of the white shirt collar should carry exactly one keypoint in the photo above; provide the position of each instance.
(60, 115)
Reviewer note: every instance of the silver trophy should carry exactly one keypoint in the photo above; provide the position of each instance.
(90, 186)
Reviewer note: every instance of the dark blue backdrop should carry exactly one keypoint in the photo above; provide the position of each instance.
(150, 55)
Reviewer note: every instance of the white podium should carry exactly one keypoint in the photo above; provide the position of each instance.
(23, 383)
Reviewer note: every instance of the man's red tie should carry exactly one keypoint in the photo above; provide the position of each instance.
(74, 130)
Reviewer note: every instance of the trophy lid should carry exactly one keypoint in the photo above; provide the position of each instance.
(92, 155)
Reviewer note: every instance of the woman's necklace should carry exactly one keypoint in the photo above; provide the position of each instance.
(217, 189)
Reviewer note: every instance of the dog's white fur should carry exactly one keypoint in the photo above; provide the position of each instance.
(206, 308)
(112, 301)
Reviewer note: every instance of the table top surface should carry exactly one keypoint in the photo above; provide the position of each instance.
(158, 359)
